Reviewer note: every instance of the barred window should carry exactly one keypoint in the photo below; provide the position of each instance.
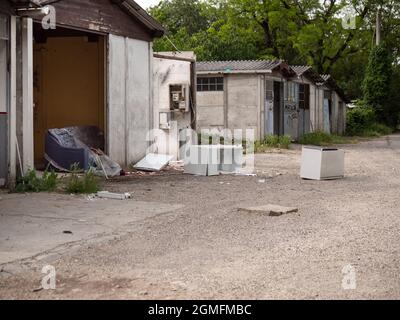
(210, 84)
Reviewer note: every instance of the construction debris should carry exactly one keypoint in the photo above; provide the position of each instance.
(153, 162)
(270, 210)
(115, 196)
(79, 145)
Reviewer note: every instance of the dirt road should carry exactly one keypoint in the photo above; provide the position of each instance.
(207, 249)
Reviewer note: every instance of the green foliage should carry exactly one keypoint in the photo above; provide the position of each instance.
(82, 183)
(320, 138)
(377, 81)
(273, 141)
(376, 130)
(32, 183)
(361, 122)
(359, 119)
(299, 31)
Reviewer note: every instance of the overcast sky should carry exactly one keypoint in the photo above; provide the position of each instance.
(147, 3)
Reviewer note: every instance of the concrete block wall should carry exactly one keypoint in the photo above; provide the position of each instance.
(210, 110)
(244, 102)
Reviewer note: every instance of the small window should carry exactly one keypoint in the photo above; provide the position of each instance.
(210, 84)
(304, 96)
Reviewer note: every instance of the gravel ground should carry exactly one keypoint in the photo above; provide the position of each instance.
(209, 250)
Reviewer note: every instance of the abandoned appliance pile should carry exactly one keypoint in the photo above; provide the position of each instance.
(82, 147)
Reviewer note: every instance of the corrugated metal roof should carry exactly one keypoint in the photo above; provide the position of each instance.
(243, 65)
(326, 77)
(300, 70)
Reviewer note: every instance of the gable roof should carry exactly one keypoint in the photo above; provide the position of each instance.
(300, 70)
(308, 72)
(331, 83)
(242, 66)
(139, 13)
(128, 6)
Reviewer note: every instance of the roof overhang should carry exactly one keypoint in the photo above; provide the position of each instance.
(234, 72)
(129, 6)
(142, 16)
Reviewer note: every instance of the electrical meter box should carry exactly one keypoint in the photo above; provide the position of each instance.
(179, 97)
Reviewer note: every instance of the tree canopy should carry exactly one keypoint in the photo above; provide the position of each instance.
(311, 32)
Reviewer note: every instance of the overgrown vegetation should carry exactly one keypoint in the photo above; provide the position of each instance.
(361, 122)
(31, 182)
(273, 141)
(85, 183)
(377, 83)
(320, 138)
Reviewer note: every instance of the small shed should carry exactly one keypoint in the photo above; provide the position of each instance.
(270, 97)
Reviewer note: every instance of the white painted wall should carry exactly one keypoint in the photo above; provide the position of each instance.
(3, 75)
(129, 102)
(168, 72)
(27, 95)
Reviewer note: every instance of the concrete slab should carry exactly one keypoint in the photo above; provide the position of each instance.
(270, 210)
(35, 223)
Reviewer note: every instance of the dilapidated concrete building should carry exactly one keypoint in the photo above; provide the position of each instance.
(270, 97)
(94, 68)
(174, 100)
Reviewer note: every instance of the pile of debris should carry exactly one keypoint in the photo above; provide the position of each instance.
(82, 147)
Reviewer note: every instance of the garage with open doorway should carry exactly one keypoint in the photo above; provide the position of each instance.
(68, 82)
(94, 69)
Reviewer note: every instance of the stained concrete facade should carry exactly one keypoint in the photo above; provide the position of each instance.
(171, 69)
(249, 101)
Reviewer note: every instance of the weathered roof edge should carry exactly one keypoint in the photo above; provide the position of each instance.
(289, 70)
(331, 83)
(141, 15)
(264, 66)
(129, 6)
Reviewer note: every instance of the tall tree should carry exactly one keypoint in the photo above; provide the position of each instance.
(377, 82)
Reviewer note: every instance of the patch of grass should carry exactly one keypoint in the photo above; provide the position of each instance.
(273, 141)
(375, 130)
(321, 138)
(32, 183)
(82, 183)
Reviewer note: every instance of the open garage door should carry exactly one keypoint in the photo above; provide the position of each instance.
(69, 85)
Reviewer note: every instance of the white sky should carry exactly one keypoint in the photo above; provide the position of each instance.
(147, 3)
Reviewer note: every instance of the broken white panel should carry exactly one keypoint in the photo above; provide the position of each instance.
(114, 196)
(153, 162)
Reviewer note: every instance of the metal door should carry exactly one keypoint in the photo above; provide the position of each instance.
(269, 107)
(291, 110)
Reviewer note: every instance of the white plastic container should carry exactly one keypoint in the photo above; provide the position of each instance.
(322, 163)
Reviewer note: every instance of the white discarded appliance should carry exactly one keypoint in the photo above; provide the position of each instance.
(318, 163)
